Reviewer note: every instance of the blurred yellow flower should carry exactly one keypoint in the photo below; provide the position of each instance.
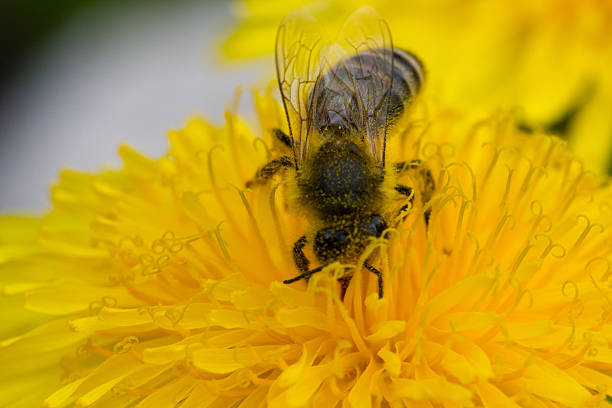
(158, 285)
(551, 59)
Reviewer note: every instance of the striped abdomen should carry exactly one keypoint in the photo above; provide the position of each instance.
(408, 77)
(358, 87)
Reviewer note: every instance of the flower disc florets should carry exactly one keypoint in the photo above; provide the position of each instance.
(159, 285)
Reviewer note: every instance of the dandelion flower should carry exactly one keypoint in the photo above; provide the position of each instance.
(551, 58)
(159, 284)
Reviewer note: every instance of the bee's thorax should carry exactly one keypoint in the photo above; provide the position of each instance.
(341, 181)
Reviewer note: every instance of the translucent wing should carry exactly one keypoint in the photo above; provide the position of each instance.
(353, 94)
(298, 44)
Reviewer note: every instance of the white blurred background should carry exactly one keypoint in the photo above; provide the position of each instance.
(110, 75)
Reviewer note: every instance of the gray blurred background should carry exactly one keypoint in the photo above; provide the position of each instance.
(79, 78)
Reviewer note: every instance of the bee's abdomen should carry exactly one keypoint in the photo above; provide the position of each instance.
(408, 77)
(408, 69)
(365, 75)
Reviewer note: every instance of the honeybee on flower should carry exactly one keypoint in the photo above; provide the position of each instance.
(340, 100)
(159, 284)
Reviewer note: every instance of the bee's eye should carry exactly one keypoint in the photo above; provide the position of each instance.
(375, 226)
(331, 236)
(331, 242)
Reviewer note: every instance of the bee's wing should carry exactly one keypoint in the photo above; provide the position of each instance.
(357, 81)
(298, 43)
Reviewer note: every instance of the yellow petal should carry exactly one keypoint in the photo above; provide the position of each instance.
(544, 379)
(170, 395)
(387, 330)
(448, 298)
(300, 392)
(392, 361)
(63, 300)
(199, 397)
(59, 397)
(291, 374)
(19, 230)
(223, 361)
(432, 389)
(492, 397)
(361, 393)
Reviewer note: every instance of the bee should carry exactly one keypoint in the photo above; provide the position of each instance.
(340, 100)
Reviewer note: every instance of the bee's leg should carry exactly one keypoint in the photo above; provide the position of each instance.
(429, 185)
(269, 170)
(344, 284)
(408, 192)
(301, 262)
(282, 137)
(298, 254)
(379, 275)
(305, 275)
(400, 167)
